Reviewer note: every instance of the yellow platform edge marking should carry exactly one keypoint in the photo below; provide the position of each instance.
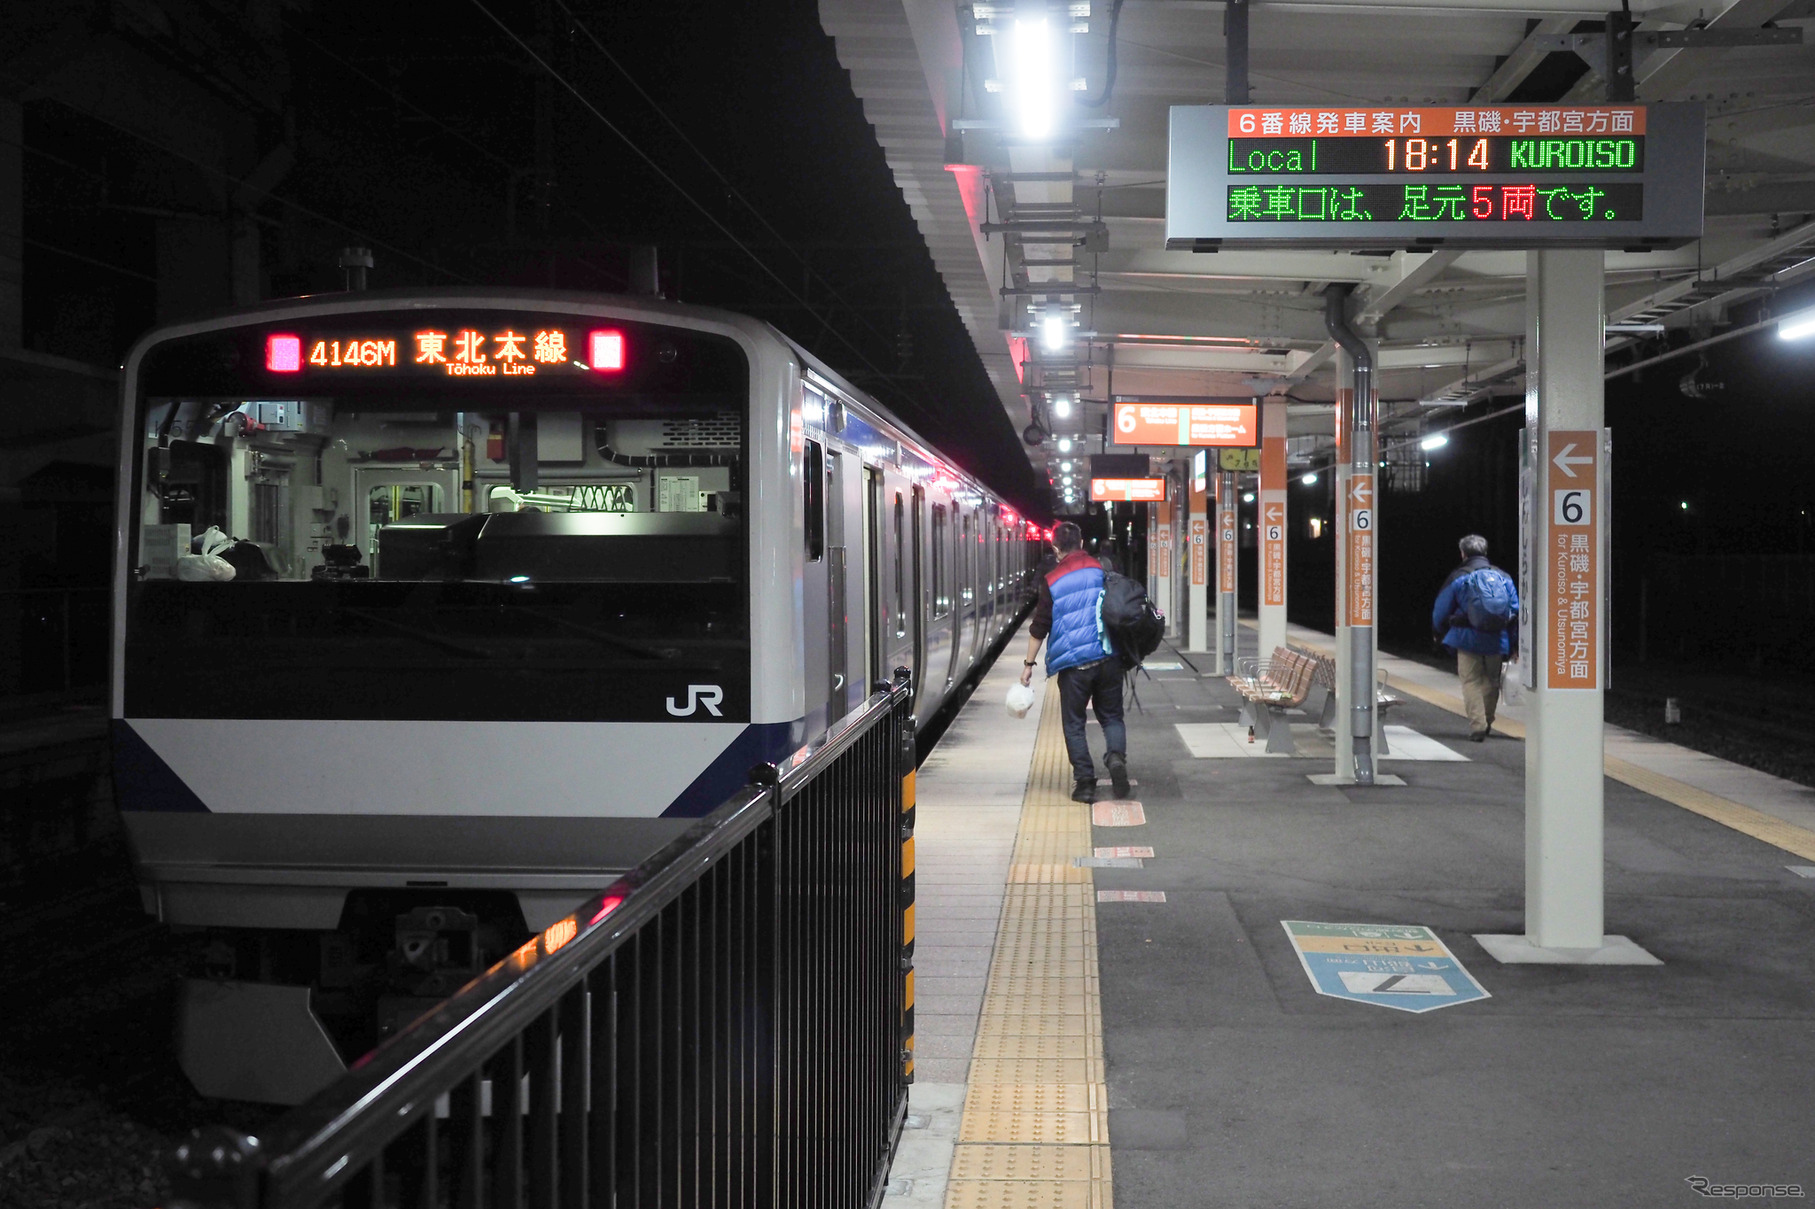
(1746, 820)
(1035, 1129)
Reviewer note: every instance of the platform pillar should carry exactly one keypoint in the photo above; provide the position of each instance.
(1197, 529)
(1564, 545)
(1357, 574)
(1162, 547)
(1271, 521)
(1226, 562)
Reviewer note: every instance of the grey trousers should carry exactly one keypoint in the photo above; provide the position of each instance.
(1480, 676)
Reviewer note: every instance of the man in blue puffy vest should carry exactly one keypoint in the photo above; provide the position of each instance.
(1477, 617)
(1069, 619)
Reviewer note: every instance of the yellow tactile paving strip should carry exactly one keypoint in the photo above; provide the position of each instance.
(1035, 1131)
(1742, 818)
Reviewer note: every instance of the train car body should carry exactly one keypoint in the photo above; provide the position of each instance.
(436, 609)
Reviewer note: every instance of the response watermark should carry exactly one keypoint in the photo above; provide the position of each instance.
(1704, 1186)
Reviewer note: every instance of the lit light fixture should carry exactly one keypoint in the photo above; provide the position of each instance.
(1061, 406)
(1685, 505)
(605, 350)
(1055, 330)
(1317, 526)
(1066, 480)
(1797, 326)
(1066, 466)
(1065, 443)
(1310, 480)
(283, 353)
(519, 579)
(1035, 89)
(1247, 497)
(1437, 440)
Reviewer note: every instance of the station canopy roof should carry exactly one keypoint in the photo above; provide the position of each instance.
(1154, 323)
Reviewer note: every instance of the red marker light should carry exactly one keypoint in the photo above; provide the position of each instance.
(605, 351)
(283, 354)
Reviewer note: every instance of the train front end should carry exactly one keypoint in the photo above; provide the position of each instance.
(431, 615)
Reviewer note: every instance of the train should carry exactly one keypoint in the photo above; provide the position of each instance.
(435, 609)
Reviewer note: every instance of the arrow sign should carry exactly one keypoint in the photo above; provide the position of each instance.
(1362, 491)
(1563, 461)
(1275, 514)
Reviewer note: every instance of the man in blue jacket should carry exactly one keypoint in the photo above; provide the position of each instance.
(1476, 615)
(1069, 618)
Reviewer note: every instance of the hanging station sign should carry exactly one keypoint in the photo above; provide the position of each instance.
(1495, 176)
(1208, 424)
(1128, 491)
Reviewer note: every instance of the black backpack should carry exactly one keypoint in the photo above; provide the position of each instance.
(1134, 622)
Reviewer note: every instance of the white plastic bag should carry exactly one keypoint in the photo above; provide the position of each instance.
(1512, 687)
(204, 568)
(1020, 699)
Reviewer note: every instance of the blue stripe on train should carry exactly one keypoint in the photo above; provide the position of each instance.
(760, 743)
(141, 779)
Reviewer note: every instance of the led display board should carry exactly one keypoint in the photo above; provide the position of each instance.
(451, 351)
(1493, 176)
(1128, 491)
(1221, 425)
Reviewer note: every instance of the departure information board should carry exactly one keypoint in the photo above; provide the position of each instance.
(1498, 176)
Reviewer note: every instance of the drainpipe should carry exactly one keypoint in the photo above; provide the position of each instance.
(1362, 459)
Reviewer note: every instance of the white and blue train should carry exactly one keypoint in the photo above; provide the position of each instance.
(436, 608)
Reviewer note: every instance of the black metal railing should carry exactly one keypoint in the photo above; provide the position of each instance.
(722, 1026)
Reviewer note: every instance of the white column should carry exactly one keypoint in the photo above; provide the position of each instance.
(1563, 630)
(1227, 548)
(1197, 537)
(1271, 521)
(1563, 757)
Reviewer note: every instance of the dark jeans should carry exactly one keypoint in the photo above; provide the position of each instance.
(1099, 684)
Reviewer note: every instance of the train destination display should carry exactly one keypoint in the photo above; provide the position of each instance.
(1503, 176)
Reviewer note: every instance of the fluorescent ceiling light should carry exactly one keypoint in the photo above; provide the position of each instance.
(1797, 326)
(1061, 406)
(1065, 466)
(1034, 91)
(1247, 497)
(1309, 479)
(1065, 444)
(1437, 440)
(1055, 332)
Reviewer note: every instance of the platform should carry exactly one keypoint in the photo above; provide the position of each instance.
(1146, 1034)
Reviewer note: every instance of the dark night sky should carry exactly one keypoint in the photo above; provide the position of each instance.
(429, 111)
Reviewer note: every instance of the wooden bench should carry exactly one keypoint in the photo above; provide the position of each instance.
(1270, 687)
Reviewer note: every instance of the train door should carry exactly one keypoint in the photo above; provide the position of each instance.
(874, 620)
(815, 587)
(918, 600)
(385, 495)
(838, 618)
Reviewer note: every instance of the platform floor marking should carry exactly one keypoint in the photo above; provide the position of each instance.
(1742, 818)
(1229, 740)
(1035, 1129)
(1118, 813)
(1131, 896)
(1135, 850)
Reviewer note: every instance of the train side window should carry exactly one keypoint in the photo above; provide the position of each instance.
(941, 604)
(813, 478)
(900, 570)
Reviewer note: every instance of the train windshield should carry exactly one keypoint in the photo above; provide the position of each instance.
(522, 522)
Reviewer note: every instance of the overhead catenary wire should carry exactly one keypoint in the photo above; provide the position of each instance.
(279, 199)
(731, 189)
(587, 104)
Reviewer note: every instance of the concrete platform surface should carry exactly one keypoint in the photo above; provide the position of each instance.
(1229, 1081)
(1233, 1083)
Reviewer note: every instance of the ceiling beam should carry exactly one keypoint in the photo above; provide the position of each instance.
(1525, 57)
